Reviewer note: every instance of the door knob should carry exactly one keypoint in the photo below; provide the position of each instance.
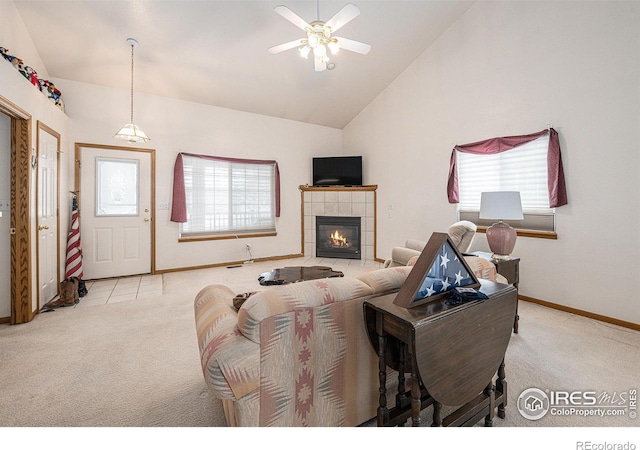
(146, 219)
(43, 227)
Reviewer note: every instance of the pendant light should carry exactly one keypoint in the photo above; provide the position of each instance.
(130, 132)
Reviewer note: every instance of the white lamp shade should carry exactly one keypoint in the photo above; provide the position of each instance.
(132, 134)
(501, 205)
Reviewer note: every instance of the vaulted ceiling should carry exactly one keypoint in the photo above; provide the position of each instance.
(215, 52)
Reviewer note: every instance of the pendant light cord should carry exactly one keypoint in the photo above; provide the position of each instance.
(130, 132)
(132, 45)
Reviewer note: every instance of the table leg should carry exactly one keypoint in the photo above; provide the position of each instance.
(401, 396)
(501, 387)
(416, 395)
(489, 390)
(437, 416)
(516, 320)
(383, 412)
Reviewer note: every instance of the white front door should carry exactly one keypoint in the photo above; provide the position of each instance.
(47, 201)
(116, 211)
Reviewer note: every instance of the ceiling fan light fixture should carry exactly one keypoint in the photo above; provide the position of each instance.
(304, 51)
(313, 39)
(320, 51)
(131, 132)
(334, 46)
(319, 35)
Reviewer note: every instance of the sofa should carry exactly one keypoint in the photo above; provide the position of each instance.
(461, 234)
(297, 354)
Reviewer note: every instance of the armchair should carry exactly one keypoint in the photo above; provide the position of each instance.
(461, 234)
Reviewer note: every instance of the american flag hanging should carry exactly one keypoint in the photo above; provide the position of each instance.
(74, 251)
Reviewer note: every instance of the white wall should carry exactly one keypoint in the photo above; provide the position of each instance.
(173, 126)
(15, 37)
(508, 68)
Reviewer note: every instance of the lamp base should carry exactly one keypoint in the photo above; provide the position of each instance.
(501, 239)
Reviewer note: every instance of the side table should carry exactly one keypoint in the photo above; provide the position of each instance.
(508, 268)
(452, 353)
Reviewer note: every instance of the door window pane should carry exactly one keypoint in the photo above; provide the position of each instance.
(117, 187)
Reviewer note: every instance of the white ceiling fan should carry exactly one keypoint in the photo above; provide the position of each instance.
(320, 35)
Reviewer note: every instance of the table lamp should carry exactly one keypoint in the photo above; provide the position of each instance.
(501, 205)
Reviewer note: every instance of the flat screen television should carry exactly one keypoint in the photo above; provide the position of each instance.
(337, 171)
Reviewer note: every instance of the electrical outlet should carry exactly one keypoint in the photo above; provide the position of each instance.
(163, 206)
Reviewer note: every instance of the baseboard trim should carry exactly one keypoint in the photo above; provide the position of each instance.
(579, 312)
(5, 319)
(229, 263)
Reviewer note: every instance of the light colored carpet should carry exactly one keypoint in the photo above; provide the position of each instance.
(136, 363)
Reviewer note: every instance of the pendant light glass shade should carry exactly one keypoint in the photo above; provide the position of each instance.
(131, 132)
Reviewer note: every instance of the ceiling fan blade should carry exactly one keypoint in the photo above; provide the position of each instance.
(353, 46)
(291, 17)
(320, 66)
(342, 17)
(286, 46)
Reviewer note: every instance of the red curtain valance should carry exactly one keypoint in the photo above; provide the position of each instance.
(179, 203)
(557, 188)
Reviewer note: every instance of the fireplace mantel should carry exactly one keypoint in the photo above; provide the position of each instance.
(352, 201)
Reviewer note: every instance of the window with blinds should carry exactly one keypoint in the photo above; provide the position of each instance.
(228, 197)
(523, 169)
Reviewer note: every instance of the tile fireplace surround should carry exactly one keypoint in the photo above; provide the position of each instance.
(356, 201)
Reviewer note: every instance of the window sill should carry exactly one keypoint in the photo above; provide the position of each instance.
(220, 237)
(528, 233)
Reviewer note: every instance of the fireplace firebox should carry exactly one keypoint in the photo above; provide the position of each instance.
(338, 237)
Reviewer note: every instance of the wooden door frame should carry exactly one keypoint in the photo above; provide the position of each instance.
(52, 132)
(152, 154)
(21, 242)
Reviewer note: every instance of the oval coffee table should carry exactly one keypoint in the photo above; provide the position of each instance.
(295, 274)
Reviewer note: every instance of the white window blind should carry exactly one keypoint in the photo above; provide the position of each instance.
(228, 197)
(523, 169)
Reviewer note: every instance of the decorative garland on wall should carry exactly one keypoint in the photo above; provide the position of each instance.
(44, 86)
